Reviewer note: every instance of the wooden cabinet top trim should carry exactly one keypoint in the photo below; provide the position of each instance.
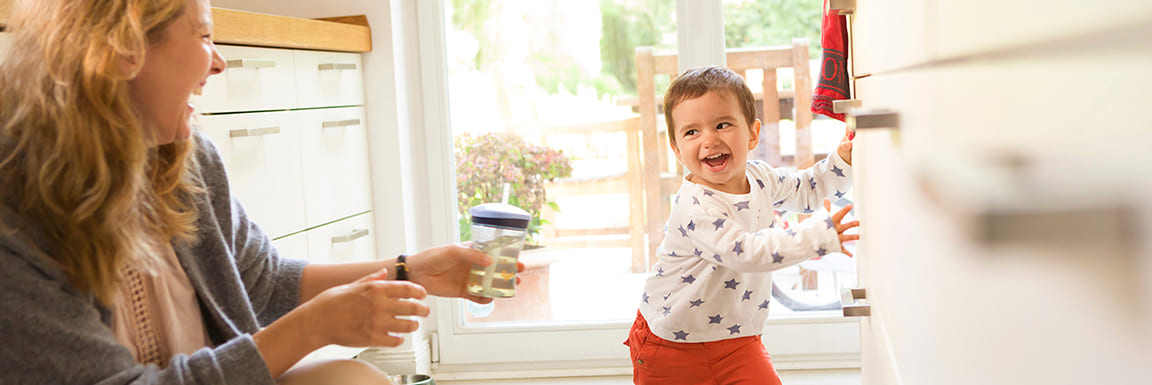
(349, 34)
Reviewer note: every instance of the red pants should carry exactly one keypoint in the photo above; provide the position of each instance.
(658, 361)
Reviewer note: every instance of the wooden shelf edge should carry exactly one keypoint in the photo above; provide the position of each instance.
(348, 34)
(248, 28)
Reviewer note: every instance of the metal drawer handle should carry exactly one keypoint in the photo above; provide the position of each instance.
(848, 299)
(340, 123)
(352, 236)
(842, 106)
(871, 118)
(337, 66)
(259, 131)
(846, 7)
(251, 63)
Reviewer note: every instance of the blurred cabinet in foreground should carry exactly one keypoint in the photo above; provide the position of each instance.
(1007, 218)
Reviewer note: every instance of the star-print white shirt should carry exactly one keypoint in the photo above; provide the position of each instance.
(713, 280)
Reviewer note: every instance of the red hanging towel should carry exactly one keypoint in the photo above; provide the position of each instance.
(833, 83)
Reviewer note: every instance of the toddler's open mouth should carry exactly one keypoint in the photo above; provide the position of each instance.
(716, 162)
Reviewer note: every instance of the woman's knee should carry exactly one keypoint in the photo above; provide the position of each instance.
(334, 372)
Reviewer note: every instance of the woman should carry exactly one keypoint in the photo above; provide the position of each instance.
(123, 255)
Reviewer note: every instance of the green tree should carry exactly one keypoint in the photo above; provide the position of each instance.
(760, 23)
(474, 17)
(630, 24)
(764, 23)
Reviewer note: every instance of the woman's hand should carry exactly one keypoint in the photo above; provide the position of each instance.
(367, 312)
(443, 270)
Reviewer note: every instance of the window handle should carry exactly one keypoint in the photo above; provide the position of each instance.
(251, 63)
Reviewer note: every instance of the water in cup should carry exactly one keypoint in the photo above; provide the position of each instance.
(497, 230)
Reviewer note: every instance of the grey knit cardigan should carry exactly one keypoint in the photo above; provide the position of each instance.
(51, 334)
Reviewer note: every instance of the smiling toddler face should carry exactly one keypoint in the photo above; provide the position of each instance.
(713, 138)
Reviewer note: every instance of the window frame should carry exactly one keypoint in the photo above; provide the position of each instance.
(525, 350)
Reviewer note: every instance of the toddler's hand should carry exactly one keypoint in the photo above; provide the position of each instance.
(841, 227)
(845, 147)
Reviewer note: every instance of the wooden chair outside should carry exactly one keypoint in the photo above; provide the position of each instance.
(662, 174)
(628, 182)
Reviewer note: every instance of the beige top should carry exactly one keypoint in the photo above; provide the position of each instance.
(157, 314)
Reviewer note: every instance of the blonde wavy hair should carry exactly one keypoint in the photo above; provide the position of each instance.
(76, 162)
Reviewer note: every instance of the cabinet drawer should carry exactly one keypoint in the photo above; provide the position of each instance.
(328, 79)
(257, 79)
(975, 26)
(261, 153)
(294, 246)
(881, 44)
(352, 239)
(334, 154)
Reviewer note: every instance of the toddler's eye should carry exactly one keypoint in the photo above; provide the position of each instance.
(690, 132)
(723, 125)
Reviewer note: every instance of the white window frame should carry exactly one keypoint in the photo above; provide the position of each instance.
(550, 349)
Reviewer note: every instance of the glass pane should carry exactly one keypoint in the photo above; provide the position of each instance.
(542, 96)
(812, 285)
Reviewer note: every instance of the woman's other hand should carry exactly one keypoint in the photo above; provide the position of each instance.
(368, 312)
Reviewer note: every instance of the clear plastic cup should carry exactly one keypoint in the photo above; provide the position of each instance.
(497, 229)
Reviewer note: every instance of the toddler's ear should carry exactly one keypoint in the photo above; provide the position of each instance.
(754, 138)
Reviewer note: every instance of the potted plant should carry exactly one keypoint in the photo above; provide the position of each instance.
(485, 163)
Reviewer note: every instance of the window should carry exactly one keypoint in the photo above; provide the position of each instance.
(543, 94)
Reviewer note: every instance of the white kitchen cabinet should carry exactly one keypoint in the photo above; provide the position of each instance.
(348, 240)
(1005, 221)
(256, 79)
(329, 79)
(290, 126)
(261, 153)
(335, 163)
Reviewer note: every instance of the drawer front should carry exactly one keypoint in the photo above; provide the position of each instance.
(329, 79)
(349, 240)
(880, 45)
(257, 79)
(975, 26)
(294, 246)
(334, 154)
(261, 152)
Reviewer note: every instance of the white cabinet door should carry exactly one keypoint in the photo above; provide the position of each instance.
(973, 26)
(348, 240)
(329, 79)
(294, 246)
(257, 79)
(962, 290)
(334, 153)
(881, 44)
(261, 153)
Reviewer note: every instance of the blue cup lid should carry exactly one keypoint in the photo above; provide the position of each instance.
(499, 214)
